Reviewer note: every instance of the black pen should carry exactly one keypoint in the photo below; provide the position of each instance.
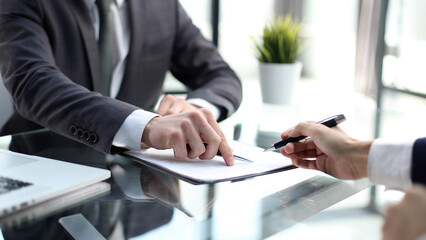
(329, 122)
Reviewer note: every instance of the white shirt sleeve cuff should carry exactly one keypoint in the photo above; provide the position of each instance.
(389, 163)
(204, 104)
(130, 133)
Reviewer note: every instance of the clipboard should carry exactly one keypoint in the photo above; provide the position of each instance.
(197, 171)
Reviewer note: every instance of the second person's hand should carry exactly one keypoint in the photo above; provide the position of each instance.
(406, 219)
(328, 150)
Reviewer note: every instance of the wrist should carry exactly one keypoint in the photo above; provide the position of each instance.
(359, 157)
(145, 142)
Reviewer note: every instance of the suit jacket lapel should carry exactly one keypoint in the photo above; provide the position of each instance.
(136, 16)
(81, 14)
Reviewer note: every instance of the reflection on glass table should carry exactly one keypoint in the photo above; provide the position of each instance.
(145, 203)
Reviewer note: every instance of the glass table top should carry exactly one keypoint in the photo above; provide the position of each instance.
(144, 203)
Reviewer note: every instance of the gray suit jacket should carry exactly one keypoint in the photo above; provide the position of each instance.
(418, 165)
(49, 60)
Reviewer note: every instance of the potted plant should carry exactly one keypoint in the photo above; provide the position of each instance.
(277, 50)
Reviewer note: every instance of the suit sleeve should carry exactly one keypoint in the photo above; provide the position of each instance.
(418, 169)
(41, 92)
(197, 63)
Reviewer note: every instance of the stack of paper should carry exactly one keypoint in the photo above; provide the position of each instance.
(210, 171)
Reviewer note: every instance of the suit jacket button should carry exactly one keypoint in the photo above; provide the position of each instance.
(73, 129)
(85, 135)
(78, 133)
(93, 138)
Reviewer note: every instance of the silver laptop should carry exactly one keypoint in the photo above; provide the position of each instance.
(55, 205)
(26, 180)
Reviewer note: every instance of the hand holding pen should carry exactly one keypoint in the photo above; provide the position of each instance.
(329, 122)
(328, 149)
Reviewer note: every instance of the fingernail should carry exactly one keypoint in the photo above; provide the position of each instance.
(230, 161)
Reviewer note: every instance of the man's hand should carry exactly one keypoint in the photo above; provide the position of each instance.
(186, 133)
(407, 219)
(328, 150)
(171, 105)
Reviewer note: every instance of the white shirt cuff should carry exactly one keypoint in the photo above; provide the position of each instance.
(130, 133)
(204, 104)
(389, 163)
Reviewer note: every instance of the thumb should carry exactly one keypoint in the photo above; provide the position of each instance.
(303, 128)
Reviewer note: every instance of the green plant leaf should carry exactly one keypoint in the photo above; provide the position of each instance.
(280, 42)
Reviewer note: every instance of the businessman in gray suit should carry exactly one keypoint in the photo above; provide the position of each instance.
(68, 71)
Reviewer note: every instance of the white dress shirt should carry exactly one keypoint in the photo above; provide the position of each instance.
(130, 133)
(389, 163)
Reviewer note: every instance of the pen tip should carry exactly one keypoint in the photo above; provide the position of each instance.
(268, 149)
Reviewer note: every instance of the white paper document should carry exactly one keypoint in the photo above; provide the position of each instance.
(215, 170)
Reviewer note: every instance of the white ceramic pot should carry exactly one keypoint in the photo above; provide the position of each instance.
(277, 81)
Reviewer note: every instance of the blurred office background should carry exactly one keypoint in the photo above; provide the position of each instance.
(362, 58)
